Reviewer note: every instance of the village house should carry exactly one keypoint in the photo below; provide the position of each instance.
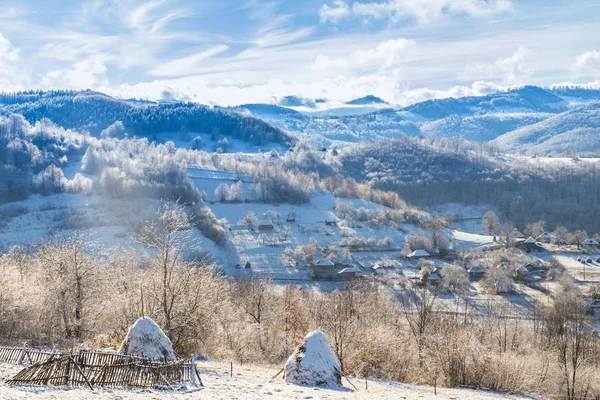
(265, 226)
(521, 235)
(418, 254)
(591, 243)
(503, 285)
(545, 237)
(291, 217)
(322, 269)
(595, 307)
(349, 273)
(521, 273)
(531, 244)
(475, 272)
(432, 278)
(379, 269)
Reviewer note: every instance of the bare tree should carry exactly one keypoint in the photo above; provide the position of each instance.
(250, 220)
(417, 307)
(490, 223)
(169, 234)
(509, 234)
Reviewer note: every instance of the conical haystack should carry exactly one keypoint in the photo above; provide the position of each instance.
(313, 363)
(146, 339)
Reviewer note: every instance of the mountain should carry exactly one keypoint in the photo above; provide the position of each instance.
(295, 101)
(370, 99)
(575, 130)
(529, 117)
(480, 128)
(93, 111)
(525, 99)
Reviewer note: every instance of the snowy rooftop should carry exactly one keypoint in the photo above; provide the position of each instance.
(419, 253)
(324, 262)
(349, 270)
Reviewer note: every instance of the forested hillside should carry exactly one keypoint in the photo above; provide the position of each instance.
(95, 112)
(435, 171)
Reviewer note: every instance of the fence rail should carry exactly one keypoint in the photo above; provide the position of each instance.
(24, 355)
(96, 368)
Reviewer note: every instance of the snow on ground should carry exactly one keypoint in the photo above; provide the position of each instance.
(267, 260)
(109, 221)
(577, 269)
(248, 383)
(468, 216)
(462, 240)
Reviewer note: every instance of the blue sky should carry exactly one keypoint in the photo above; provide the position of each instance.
(231, 52)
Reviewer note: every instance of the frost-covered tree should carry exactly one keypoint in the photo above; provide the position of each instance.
(490, 223)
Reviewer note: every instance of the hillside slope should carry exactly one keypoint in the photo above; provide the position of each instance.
(95, 112)
(577, 129)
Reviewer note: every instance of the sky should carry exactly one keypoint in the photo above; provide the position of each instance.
(248, 51)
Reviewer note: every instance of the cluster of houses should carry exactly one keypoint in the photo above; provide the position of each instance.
(535, 244)
(325, 269)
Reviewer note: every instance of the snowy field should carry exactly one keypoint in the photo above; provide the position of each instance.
(248, 383)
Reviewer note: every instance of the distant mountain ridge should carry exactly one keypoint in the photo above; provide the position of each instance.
(566, 115)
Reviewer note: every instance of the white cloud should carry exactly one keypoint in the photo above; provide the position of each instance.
(89, 73)
(422, 11)
(335, 13)
(512, 70)
(587, 63)
(386, 55)
(11, 75)
(339, 89)
(188, 65)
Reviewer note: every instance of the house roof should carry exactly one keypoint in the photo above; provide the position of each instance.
(591, 241)
(530, 239)
(324, 262)
(419, 253)
(546, 235)
(432, 277)
(476, 269)
(520, 235)
(350, 270)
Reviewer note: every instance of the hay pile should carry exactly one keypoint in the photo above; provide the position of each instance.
(146, 339)
(313, 363)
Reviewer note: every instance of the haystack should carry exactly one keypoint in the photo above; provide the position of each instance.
(313, 363)
(146, 339)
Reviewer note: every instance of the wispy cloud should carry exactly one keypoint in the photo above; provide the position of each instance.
(422, 11)
(187, 65)
(275, 28)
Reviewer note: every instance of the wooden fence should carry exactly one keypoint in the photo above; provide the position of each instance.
(24, 355)
(96, 368)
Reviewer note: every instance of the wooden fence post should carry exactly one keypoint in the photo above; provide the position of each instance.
(22, 356)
